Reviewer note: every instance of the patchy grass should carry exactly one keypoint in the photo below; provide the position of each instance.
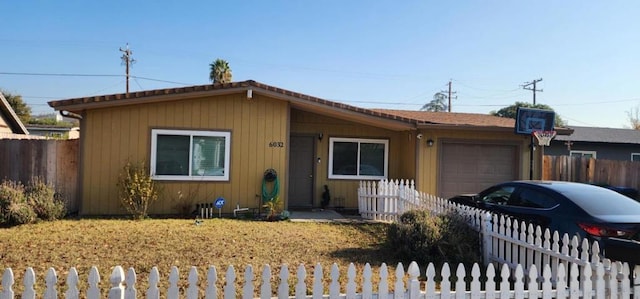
(166, 243)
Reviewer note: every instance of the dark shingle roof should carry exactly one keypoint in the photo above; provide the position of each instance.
(453, 118)
(605, 135)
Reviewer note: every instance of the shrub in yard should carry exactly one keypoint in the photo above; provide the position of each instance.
(136, 189)
(425, 237)
(185, 204)
(14, 208)
(42, 198)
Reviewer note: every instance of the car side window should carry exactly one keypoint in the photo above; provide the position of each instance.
(532, 199)
(498, 196)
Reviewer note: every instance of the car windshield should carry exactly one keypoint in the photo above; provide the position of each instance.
(601, 201)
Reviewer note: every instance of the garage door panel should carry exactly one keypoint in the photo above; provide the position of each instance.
(472, 167)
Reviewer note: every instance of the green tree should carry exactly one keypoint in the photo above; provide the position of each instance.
(18, 105)
(220, 71)
(438, 103)
(511, 111)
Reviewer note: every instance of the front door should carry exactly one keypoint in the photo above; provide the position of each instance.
(301, 171)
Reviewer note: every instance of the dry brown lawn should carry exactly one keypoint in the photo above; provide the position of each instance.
(166, 243)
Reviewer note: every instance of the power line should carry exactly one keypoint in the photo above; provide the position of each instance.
(485, 89)
(470, 96)
(88, 75)
(159, 80)
(58, 74)
(138, 83)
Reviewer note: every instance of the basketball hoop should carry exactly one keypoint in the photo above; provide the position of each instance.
(544, 137)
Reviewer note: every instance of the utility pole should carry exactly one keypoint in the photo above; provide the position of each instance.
(450, 93)
(127, 60)
(532, 147)
(526, 86)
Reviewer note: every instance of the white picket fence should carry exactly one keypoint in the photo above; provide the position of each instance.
(577, 283)
(387, 200)
(504, 240)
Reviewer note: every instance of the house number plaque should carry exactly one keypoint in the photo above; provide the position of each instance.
(276, 144)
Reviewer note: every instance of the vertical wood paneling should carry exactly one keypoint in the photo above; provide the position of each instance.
(253, 150)
(238, 145)
(120, 133)
(112, 153)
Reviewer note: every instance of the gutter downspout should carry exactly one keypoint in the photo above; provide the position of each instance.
(70, 114)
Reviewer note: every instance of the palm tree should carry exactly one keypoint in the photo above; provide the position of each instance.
(220, 71)
(438, 103)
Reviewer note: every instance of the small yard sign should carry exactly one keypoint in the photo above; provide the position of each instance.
(219, 203)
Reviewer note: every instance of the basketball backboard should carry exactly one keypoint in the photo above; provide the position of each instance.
(531, 119)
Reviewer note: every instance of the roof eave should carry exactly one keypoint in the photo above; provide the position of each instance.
(465, 127)
(340, 111)
(84, 104)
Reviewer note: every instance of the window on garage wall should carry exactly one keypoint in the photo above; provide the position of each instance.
(635, 157)
(190, 155)
(356, 158)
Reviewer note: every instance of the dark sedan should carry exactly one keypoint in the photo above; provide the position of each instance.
(579, 209)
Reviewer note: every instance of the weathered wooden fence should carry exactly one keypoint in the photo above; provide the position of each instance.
(590, 170)
(56, 161)
(572, 282)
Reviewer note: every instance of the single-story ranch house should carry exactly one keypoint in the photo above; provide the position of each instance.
(217, 140)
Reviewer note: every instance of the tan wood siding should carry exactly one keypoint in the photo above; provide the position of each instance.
(115, 135)
(401, 152)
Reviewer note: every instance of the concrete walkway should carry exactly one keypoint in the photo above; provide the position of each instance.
(319, 215)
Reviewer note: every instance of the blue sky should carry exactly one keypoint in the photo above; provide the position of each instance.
(373, 54)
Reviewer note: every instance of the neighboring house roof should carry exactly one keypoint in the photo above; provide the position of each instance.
(10, 116)
(430, 119)
(453, 118)
(605, 135)
(54, 131)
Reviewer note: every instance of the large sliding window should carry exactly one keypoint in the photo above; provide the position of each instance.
(190, 155)
(357, 159)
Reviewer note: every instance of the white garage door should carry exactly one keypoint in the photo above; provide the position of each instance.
(472, 167)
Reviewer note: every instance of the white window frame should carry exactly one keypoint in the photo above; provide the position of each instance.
(332, 140)
(190, 133)
(634, 154)
(582, 153)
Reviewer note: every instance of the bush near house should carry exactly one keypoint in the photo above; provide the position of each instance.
(21, 204)
(136, 189)
(425, 237)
